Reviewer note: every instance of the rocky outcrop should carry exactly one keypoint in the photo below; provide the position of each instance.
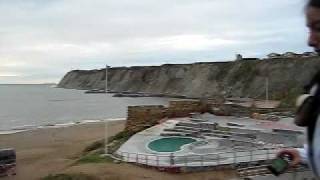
(237, 79)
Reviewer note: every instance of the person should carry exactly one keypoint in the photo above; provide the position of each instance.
(308, 113)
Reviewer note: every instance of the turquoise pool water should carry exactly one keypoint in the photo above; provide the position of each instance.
(171, 144)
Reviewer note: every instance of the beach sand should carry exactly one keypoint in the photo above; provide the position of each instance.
(54, 150)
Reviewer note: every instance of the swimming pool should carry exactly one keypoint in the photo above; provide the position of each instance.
(171, 144)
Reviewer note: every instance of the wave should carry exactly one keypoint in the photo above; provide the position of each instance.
(24, 128)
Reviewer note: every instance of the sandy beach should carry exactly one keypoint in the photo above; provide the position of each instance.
(54, 150)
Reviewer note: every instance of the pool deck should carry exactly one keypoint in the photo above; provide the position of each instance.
(217, 151)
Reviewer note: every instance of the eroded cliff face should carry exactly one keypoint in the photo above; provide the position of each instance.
(237, 79)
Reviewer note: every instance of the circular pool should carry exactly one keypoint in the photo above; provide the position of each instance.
(170, 144)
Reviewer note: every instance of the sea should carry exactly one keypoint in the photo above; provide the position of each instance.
(27, 107)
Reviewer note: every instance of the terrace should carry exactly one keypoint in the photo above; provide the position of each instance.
(206, 141)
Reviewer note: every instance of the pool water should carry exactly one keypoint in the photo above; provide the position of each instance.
(171, 144)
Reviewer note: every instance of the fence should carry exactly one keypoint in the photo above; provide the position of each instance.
(234, 158)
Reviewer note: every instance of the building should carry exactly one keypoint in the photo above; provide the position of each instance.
(290, 55)
(274, 56)
(238, 57)
(309, 54)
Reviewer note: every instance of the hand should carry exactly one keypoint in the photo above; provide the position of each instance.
(296, 158)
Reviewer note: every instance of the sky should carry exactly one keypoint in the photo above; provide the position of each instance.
(41, 40)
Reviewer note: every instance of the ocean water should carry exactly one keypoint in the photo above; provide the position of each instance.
(30, 106)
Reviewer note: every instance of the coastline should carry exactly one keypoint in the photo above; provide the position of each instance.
(26, 128)
(45, 151)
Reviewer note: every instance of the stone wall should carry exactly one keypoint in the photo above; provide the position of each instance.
(141, 117)
(229, 110)
(183, 108)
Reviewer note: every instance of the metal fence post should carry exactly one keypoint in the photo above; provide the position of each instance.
(137, 158)
(171, 159)
(201, 159)
(157, 157)
(146, 156)
(186, 160)
(218, 159)
(128, 156)
(121, 156)
(251, 155)
(234, 157)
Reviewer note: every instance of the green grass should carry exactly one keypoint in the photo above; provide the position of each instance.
(121, 135)
(94, 158)
(116, 141)
(91, 154)
(94, 146)
(79, 176)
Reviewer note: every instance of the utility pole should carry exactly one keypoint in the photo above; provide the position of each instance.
(106, 137)
(106, 150)
(106, 88)
(267, 89)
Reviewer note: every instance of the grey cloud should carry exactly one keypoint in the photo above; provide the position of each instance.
(63, 34)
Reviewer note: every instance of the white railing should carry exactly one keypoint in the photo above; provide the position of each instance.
(210, 159)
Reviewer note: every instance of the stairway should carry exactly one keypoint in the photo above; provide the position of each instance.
(262, 170)
(253, 171)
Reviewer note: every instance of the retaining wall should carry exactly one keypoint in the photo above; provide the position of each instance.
(183, 108)
(141, 117)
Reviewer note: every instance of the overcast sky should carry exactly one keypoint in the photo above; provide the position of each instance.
(41, 40)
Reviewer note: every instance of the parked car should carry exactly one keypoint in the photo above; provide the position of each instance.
(7, 162)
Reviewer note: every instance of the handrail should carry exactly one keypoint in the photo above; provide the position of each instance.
(241, 160)
(230, 157)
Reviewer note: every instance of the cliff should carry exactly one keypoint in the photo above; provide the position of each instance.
(245, 78)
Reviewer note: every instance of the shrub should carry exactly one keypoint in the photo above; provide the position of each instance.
(79, 176)
(94, 158)
(116, 141)
(94, 146)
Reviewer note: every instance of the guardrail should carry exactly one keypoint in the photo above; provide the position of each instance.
(248, 163)
(195, 160)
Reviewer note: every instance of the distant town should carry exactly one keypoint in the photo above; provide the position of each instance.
(280, 56)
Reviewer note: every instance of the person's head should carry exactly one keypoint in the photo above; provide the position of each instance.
(313, 23)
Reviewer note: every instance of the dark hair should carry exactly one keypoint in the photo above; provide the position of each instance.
(313, 3)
